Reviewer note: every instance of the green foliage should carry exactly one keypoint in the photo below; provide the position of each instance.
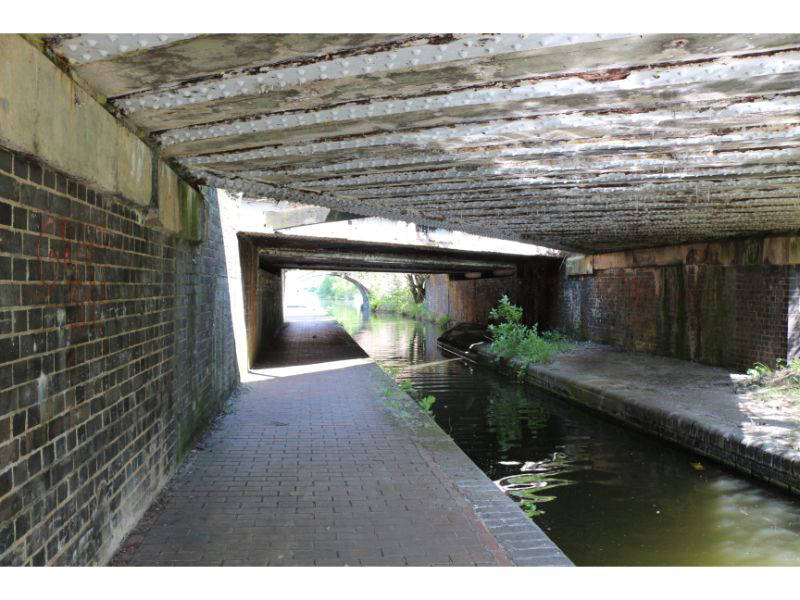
(758, 370)
(399, 300)
(780, 381)
(336, 289)
(530, 508)
(782, 372)
(426, 403)
(514, 339)
(406, 386)
(506, 312)
(392, 371)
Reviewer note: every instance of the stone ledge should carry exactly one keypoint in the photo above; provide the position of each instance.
(682, 402)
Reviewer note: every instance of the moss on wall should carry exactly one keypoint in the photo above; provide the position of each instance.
(794, 250)
(191, 213)
(675, 314)
(749, 251)
(715, 323)
(729, 306)
(664, 325)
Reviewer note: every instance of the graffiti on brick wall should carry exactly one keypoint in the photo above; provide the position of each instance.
(69, 275)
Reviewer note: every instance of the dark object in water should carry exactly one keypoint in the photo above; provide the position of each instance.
(462, 340)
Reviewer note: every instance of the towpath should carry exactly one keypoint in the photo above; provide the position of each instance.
(324, 461)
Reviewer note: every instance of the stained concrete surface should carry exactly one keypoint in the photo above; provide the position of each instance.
(584, 142)
(694, 405)
(326, 462)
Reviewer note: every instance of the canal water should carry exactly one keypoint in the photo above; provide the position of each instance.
(604, 494)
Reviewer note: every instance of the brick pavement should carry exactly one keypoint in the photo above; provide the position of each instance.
(332, 466)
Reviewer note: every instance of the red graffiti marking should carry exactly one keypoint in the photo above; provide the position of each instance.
(71, 264)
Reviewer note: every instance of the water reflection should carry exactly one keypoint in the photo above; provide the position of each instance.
(512, 415)
(606, 495)
(536, 478)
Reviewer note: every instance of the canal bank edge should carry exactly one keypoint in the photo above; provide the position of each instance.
(521, 541)
(724, 442)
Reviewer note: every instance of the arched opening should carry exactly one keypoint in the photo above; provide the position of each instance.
(361, 288)
(307, 291)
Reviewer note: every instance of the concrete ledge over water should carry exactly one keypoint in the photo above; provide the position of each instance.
(692, 405)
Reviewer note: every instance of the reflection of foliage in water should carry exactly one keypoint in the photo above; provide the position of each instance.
(527, 487)
(510, 411)
(530, 508)
(347, 316)
(416, 345)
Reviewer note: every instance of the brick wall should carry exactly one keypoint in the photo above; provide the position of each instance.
(467, 300)
(115, 348)
(470, 300)
(729, 316)
(793, 322)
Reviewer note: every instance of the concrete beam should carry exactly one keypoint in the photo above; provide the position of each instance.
(305, 215)
(44, 113)
(296, 252)
(770, 250)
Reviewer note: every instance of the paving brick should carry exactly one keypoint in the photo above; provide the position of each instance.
(326, 495)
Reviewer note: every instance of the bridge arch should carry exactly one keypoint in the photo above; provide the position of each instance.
(363, 290)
